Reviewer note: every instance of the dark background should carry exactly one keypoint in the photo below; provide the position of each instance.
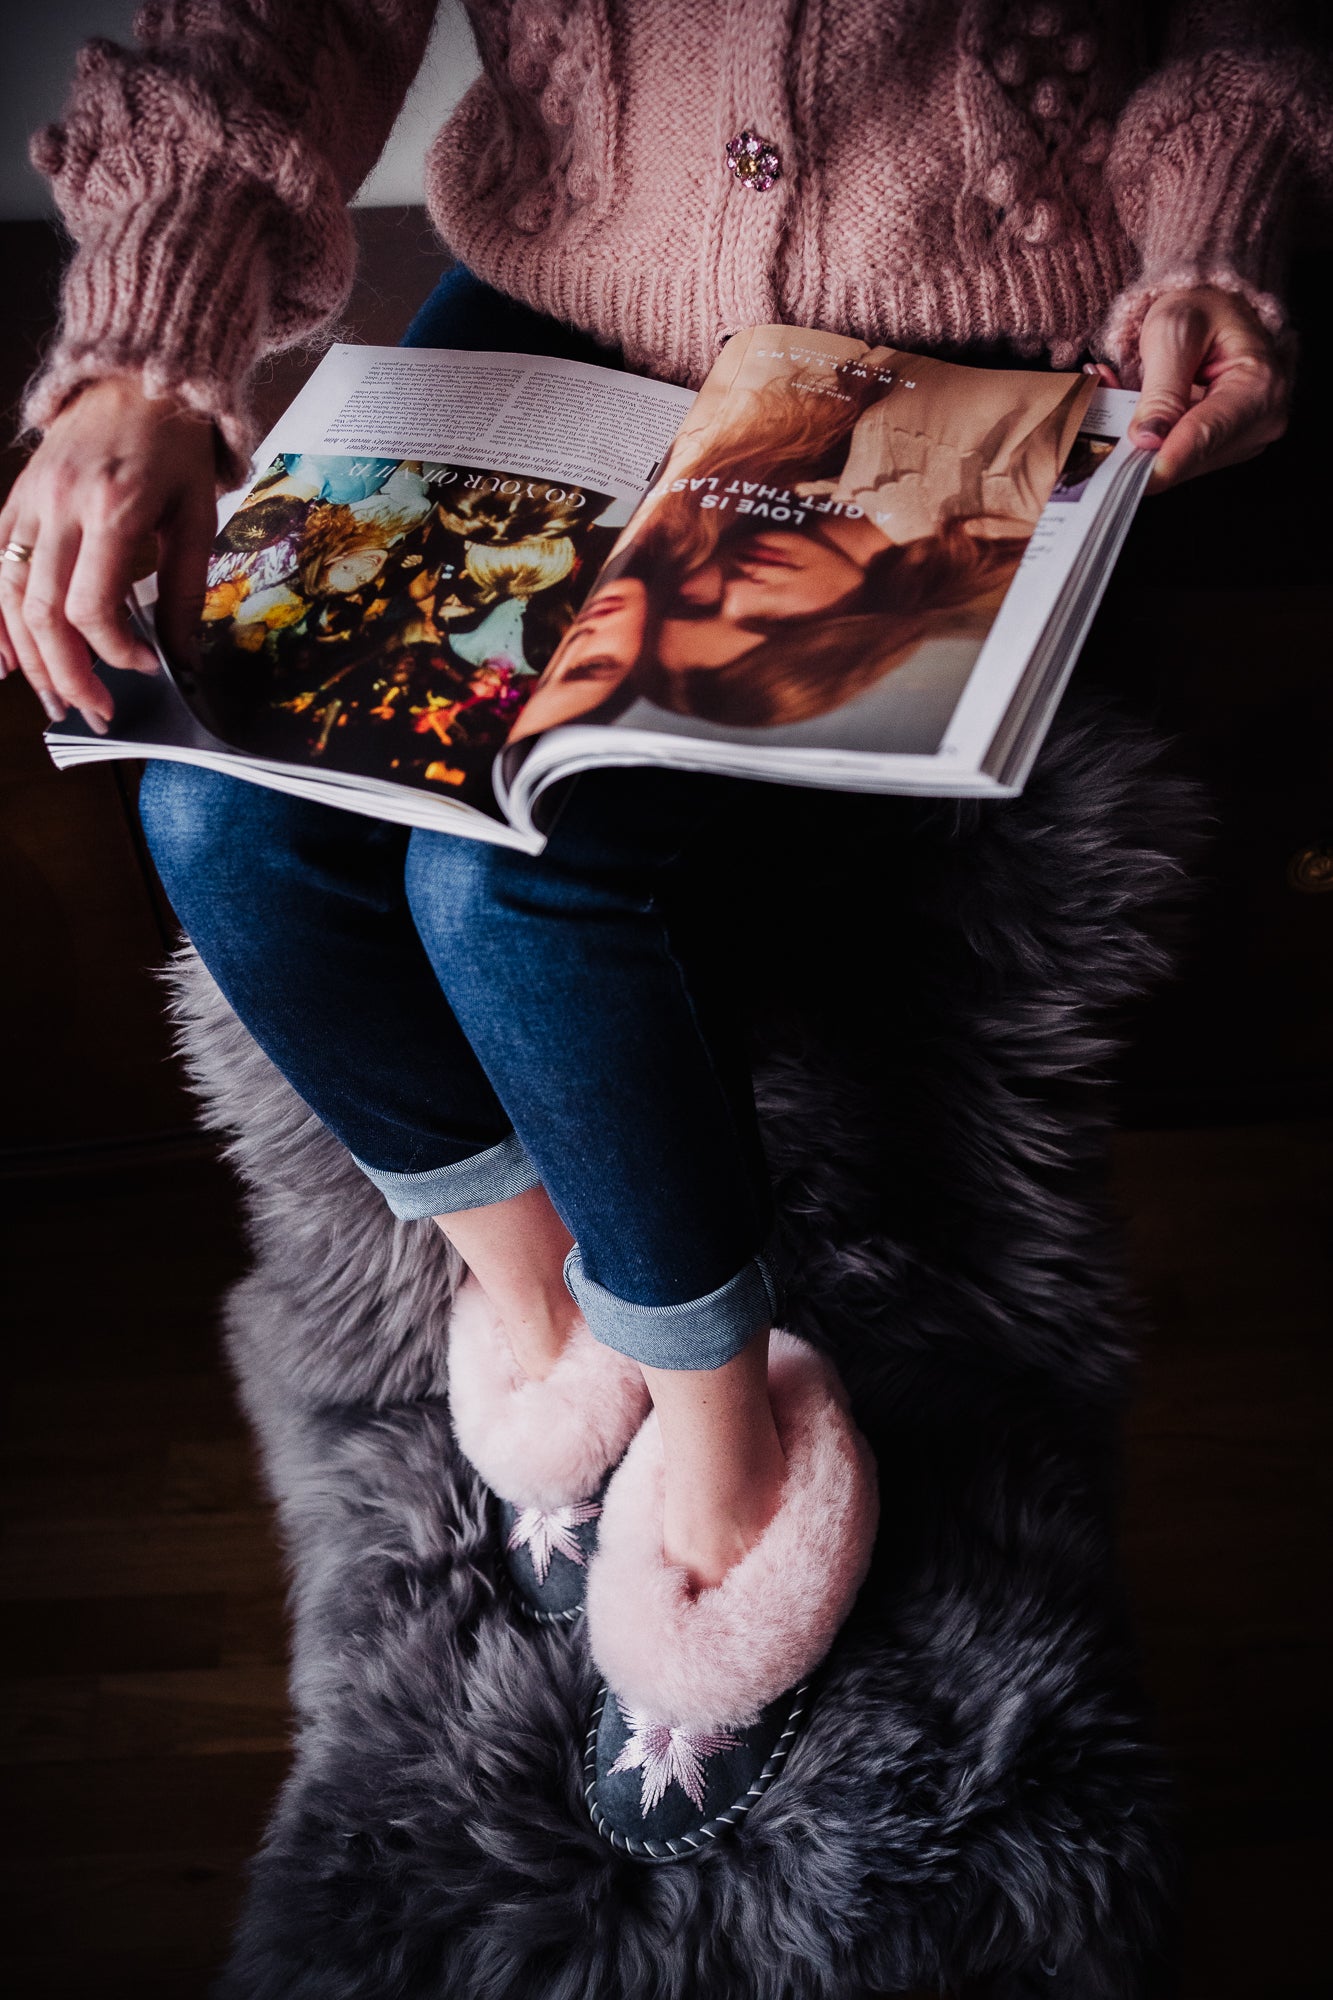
(145, 1722)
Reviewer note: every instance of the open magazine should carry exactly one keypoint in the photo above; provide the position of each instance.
(457, 579)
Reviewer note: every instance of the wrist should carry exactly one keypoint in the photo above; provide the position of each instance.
(121, 393)
(1122, 331)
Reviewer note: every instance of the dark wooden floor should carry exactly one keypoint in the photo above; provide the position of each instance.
(145, 1714)
(1226, 1530)
(145, 1718)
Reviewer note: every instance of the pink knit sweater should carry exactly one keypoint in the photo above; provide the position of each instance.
(948, 171)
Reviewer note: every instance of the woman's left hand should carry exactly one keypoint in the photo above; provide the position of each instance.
(1215, 389)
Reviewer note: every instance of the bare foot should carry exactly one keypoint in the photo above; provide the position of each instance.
(538, 1339)
(707, 1532)
(724, 1460)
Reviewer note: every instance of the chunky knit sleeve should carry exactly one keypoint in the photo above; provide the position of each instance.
(204, 175)
(1206, 159)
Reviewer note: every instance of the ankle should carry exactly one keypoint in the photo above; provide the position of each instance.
(538, 1328)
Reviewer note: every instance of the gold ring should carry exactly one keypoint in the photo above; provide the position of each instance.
(17, 552)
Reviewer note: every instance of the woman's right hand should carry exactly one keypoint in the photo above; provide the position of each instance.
(120, 484)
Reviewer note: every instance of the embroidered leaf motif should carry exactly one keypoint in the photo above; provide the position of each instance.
(669, 1756)
(551, 1533)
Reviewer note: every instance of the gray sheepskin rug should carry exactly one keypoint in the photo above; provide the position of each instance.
(976, 1805)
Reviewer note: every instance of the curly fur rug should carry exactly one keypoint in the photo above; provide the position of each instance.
(976, 1804)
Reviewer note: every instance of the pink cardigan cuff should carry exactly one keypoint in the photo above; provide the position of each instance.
(1118, 341)
(1204, 167)
(183, 288)
(70, 368)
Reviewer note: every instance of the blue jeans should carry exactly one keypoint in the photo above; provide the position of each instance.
(471, 1021)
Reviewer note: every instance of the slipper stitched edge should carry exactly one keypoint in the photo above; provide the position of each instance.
(689, 1844)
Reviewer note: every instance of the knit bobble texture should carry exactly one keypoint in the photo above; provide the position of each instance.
(200, 178)
(1041, 222)
(999, 179)
(1048, 99)
(1002, 183)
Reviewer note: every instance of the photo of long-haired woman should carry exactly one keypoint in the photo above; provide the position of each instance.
(832, 536)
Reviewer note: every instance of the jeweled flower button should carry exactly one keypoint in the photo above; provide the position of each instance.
(754, 161)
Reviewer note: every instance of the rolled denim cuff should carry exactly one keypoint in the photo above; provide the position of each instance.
(701, 1333)
(494, 1175)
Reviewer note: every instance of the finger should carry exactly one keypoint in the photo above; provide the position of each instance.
(182, 575)
(1176, 336)
(12, 578)
(1104, 372)
(1230, 423)
(64, 653)
(9, 659)
(96, 602)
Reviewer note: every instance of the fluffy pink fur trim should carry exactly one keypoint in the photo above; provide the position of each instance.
(713, 1660)
(538, 1444)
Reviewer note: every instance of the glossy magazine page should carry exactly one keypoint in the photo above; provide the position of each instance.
(839, 575)
(831, 536)
(382, 597)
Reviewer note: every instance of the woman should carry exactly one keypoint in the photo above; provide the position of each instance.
(536, 1053)
(740, 619)
(777, 626)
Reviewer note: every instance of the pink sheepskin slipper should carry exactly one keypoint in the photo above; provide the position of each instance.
(716, 1660)
(539, 1445)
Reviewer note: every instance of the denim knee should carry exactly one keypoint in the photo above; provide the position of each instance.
(222, 843)
(451, 890)
(200, 824)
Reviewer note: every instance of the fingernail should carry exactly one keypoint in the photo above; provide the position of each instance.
(4, 668)
(97, 723)
(1154, 427)
(54, 706)
(1089, 367)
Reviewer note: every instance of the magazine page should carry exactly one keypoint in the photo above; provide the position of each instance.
(1034, 641)
(814, 575)
(421, 526)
